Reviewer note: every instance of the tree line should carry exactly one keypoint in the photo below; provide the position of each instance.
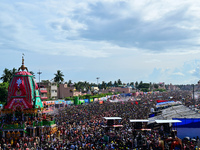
(80, 86)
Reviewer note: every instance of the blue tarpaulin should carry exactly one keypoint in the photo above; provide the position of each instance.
(187, 122)
(128, 94)
(162, 103)
(86, 100)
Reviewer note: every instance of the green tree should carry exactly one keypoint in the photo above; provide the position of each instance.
(69, 83)
(115, 84)
(110, 84)
(103, 85)
(59, 77)
(119, 82)
(6, 77)
(140, 84)
(136, 84)
(3, 92)
(132, 84)
(13, 71)
(156, 86)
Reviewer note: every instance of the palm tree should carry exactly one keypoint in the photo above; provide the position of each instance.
(6, 77)
(13, 71)
(59, 77)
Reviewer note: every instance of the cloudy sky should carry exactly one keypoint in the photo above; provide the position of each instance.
(131, 40)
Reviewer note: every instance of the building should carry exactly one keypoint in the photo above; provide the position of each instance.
(65, 91)
(118, 89)
(48, 89)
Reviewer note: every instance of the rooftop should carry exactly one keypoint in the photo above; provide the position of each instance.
(179, 111)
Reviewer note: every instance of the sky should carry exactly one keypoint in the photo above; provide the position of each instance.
(131, 40)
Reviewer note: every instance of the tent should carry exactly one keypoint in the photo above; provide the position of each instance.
(86, 100)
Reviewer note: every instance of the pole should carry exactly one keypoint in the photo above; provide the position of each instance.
(97, 80)
(39, 79)
(193, 95)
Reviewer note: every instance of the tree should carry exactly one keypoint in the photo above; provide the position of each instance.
(4, 92)
(110, 84)
(59, 77)
(136, 84)
(156, 86)
(119, 82)
(8, 74)
(13, 71)
(103, 85)
(115, 84)
(69, 83)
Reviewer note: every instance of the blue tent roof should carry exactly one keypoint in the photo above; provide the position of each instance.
(165, 102)
(59, 101)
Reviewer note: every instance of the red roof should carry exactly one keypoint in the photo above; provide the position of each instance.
(43, 91)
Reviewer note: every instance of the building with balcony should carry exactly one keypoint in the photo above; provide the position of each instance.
(48, 89)
(43, 93)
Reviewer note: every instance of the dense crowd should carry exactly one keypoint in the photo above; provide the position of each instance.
(83, 127)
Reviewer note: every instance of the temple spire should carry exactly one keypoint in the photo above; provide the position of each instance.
(23, 67)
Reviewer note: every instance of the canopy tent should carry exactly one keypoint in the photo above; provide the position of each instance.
(68, 102)
(81, 101)
(188, 122)
(59, 101)
(167, 102)
(167, 121)
(1, 105)
(86, 100)
(112, 118)
(160, 101)
(139, 120)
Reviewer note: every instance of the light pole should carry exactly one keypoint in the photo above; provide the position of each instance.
(97, 81)
(39, 79)
(193, 96)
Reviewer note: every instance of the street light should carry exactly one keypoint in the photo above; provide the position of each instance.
(97, 80)
(193, 95)
(39, 79)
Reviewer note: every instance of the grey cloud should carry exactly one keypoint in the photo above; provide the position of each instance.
(162, 34)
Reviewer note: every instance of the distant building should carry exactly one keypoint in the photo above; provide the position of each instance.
(48, 89)
(118, 89)
(173, 87)
(43, 92)
(65, 91)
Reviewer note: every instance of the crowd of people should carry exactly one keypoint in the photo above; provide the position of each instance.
(83, 127)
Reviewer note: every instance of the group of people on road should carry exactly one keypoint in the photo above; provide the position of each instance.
(83, 127)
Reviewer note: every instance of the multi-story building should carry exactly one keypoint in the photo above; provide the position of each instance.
(43, 92)
(65, 91)
(54, 91)
(48, 89)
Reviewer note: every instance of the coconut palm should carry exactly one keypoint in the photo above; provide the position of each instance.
(7, 75)
(59, 77)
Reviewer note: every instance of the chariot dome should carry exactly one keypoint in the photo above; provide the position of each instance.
(23, 91)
